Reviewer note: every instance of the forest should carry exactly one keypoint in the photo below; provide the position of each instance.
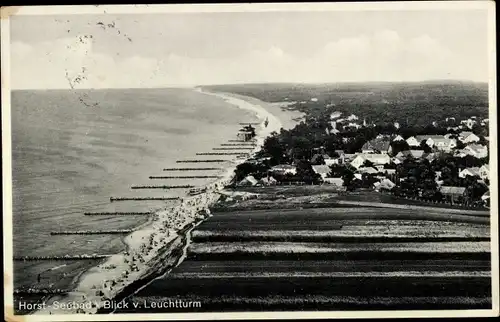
(411, 104)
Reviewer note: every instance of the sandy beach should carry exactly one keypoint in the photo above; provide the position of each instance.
(98, 286)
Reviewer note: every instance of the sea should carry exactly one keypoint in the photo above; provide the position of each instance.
(74, 149)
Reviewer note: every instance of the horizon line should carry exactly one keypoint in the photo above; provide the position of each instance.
(194, 86)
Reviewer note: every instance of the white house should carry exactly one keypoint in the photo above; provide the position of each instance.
(353, 124)
(484, 171)
(322, 170)
(475, 150)
(377, 146)
(374, 158)
(469, 172)
(332, 160)
(441, 143)
(412, 141)
(339, 182)
(369, 170)
(389, 171)
(335, 115)
(314, 99)
(352, 117)
(267, 181)
(386, 184)
(398, 138)
(469, 122)
(248, 181)
(397, 160)
(416, 154)
(334, 129)
(348, 157)
(468, 137)
(284, 169)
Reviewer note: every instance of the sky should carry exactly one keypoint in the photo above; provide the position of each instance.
(186, 49)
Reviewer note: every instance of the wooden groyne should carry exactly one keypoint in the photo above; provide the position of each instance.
(163, 187)
(250, 123)
(240, 144)
(222, 153)
(240, 141)
(200, 161)
(142, 198)
(92, 232)
(115, 213)
(62, 257)
(185, 177)
(191, 169)
(32, 290)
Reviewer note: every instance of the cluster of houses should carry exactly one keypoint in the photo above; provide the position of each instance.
(377, 153)
(349, 122)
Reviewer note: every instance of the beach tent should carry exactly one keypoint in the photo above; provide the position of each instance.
(248, 181)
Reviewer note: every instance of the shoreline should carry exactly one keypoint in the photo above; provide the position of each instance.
(111, 277)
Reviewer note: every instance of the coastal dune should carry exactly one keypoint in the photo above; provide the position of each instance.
(161, 237)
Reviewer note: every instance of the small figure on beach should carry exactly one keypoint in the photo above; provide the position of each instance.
(266, 122)
(38, 278)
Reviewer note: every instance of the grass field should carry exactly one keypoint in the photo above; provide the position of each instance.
(341, 258)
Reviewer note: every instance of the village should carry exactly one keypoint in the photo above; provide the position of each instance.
(447, 165)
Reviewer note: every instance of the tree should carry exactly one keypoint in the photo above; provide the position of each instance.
(368, 164)
(348, 177)
(367, 180)
(273, 147)
(305, 173)
(336, 171)
(424, 146)
(398, 146)
(244, 169)
(318, 159)
(460, 145)
(474, 190)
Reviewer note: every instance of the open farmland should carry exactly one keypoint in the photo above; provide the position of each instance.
(330, 258)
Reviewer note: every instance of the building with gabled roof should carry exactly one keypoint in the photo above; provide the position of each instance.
(398, 138)
(368, 170)
(284, 169)
(413, 141)
(473, 172)
(476, 150)
(322, 170)
(335, 115)
(468, 137)
(384, 184)
(248, 181)
(452, 193)
(438, 142)
(381, 145)
(416, 154)
(360, 159)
